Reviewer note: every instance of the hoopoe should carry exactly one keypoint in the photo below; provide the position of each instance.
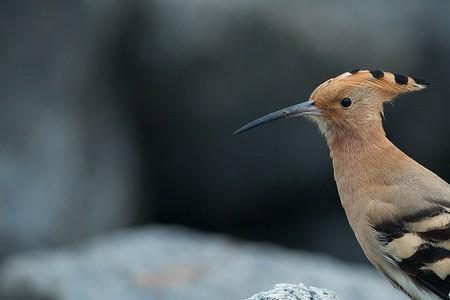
(398, 209)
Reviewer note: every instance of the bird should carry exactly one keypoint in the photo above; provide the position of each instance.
(398, 210)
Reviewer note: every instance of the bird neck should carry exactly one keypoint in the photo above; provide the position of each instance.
(359, 152)
(355, 139)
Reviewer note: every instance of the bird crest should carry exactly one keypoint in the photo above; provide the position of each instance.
(384, 83)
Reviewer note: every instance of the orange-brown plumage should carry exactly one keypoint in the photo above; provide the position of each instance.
(398, 209)
(368, 95)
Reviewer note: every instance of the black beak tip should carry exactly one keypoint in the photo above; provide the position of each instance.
(239, 131)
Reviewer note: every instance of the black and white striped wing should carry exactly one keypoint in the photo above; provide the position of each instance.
(419, 244)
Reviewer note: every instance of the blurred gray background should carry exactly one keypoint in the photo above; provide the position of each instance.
(120, 113)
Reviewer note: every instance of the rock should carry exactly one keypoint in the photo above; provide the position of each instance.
(285, 291)
(170, 263)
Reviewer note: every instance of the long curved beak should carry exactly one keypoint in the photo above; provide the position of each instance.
(301, 109)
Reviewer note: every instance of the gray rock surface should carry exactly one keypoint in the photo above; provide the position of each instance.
(169, 263)
(285, 291)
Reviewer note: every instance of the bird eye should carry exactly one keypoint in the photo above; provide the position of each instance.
(346, 102)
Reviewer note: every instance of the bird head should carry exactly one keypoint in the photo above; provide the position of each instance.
(347, 103)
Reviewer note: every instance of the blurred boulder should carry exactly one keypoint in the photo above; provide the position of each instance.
(284, 291)
(171, 263)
